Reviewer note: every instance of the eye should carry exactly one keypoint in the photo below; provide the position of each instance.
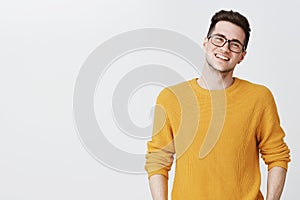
(235, 45)
(219, 39)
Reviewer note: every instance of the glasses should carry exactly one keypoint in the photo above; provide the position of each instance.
(219, 41)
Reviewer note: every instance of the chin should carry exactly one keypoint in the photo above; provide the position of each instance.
(220, 67)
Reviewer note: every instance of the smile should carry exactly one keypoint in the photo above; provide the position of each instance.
(222, 57)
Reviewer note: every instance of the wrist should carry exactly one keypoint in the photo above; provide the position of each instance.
(272, 197)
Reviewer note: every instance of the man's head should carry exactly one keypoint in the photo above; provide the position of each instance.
(233, 17)
(226, 41)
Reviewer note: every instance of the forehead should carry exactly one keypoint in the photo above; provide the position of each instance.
(229, 30)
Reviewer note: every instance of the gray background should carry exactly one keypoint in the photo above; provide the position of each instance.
(43, 45)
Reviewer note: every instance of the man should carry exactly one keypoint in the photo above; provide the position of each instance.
(217, 125)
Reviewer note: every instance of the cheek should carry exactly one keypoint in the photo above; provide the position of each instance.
(236, 59)
(210, 49)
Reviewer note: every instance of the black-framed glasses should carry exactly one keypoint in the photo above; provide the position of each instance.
(219, 41)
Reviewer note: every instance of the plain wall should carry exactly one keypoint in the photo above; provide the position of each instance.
(43, 45)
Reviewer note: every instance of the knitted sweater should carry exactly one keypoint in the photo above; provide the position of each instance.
(217, 136)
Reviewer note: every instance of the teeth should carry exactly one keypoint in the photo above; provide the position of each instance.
(222, 57)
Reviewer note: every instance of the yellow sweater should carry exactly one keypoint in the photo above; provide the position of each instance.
(217, 136)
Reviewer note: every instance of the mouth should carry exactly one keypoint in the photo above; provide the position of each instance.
(222, 57)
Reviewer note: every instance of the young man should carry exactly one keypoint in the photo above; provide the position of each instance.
(217, 125)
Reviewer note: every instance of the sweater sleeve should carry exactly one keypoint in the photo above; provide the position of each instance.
(273, 149)
(160, 149)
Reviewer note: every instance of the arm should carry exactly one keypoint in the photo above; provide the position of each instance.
(159, 187)
(273, 148)
(160, 149)
(276, 180)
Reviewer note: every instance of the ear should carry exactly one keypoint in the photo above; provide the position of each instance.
(242, 56)
(205, 42)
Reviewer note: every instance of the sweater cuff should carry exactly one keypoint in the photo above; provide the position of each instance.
(282, 164)
(163, 172)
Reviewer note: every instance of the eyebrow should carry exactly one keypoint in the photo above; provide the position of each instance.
(234, 40)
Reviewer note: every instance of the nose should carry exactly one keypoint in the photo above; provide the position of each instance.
(225, 47)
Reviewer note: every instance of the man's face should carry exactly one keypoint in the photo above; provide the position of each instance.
(221, 58)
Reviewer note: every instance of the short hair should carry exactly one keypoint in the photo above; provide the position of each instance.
(233, 17)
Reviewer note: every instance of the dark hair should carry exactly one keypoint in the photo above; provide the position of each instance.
(233, 17)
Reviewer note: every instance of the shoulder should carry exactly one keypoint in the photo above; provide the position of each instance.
(257, 90)
(172, 90)
(175, 92)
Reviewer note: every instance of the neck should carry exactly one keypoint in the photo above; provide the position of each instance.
(212, 79)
